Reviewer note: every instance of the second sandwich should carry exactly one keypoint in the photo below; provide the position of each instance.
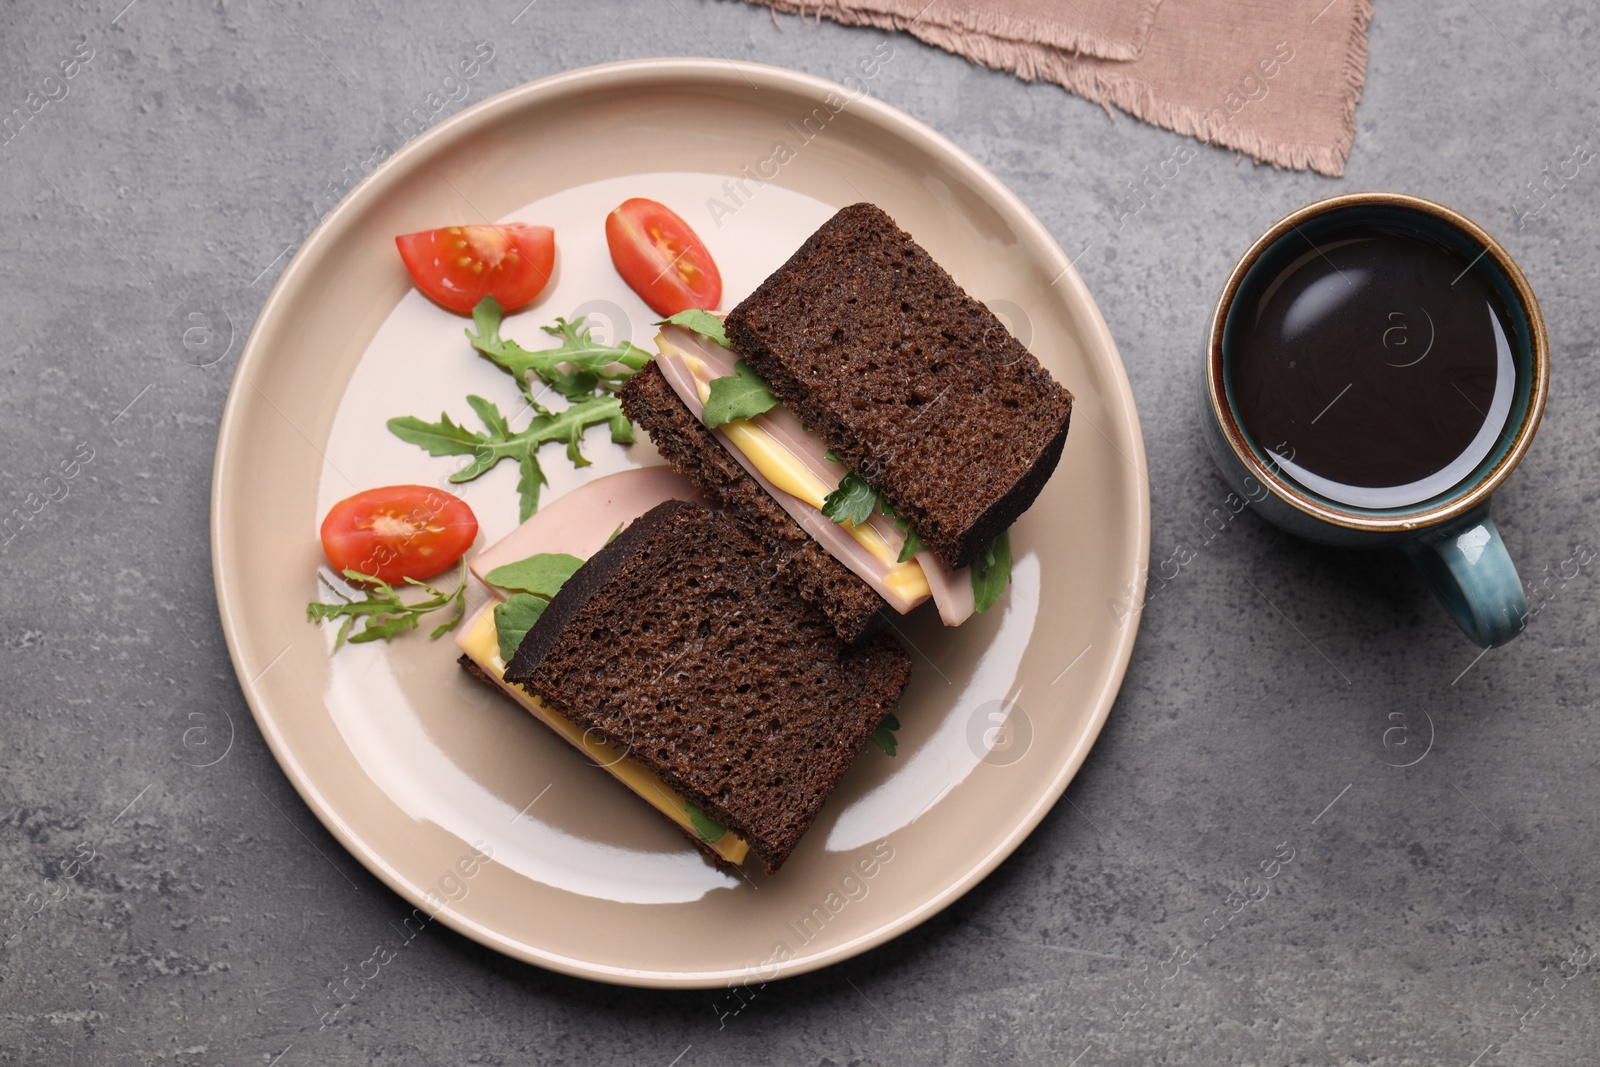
(871, 425)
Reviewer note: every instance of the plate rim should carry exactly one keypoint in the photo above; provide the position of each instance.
(690, 71)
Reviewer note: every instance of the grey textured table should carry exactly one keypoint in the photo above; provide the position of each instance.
(1442, 912)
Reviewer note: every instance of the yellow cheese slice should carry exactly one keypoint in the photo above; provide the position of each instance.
(482, 646)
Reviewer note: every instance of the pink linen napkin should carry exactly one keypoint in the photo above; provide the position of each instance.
(1276, 79)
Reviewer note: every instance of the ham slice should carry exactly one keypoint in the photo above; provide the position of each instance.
(952, 590)
(582, 521)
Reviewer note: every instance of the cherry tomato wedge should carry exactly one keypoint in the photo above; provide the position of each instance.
(460, 265)
(661, 258)
(398, 532)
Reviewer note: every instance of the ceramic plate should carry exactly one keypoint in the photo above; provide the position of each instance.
(417, 768)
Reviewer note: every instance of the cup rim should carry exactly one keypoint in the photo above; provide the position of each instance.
(1327, 511)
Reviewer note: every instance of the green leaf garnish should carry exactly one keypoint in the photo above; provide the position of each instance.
(498, 442)
(913, 545)
(852, 502)
(701, 322)
(514, 618)
(615, 534)
(708, 828)
(740, 395)
(542, 575)
(384, 616)
(581, 369)
(884, 736)
(991, 572)
(576, 368)
(534, 583)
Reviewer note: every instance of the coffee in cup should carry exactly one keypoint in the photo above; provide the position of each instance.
(1379, 363)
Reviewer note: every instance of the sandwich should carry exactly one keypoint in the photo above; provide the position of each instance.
(685, 663)
(867, 422)
(867, 433)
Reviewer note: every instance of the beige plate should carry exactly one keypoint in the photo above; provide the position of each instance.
(411, 764)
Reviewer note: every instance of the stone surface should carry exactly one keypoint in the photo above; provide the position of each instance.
(1429, 913)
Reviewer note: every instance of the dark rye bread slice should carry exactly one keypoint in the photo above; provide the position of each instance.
(850, 603)
(678, 643)
(908, 379)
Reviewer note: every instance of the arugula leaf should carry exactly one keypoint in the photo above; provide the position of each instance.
(829, 456)
(383, 614)
(991, 572)
(701, 322)
(576, 368)
(542, 575)
(534, 581)
(581, 369)
(498, 442)
(513, 618)
(709, 829)
(740, 395)
(852, 502)
(884, 736)
(615, 534)
(913, 543)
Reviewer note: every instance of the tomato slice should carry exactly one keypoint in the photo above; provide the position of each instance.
(398, 532)
(460, 265)
(661, 258)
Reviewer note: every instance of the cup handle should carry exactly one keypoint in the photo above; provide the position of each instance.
(1466, 565)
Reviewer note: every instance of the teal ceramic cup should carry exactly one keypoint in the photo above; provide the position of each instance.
(1450, 535)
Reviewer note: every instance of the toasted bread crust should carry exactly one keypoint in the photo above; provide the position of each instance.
(913, 383)
(678, 642)
(851, 604)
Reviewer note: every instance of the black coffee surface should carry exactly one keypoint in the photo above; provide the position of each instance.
(1370, 360)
